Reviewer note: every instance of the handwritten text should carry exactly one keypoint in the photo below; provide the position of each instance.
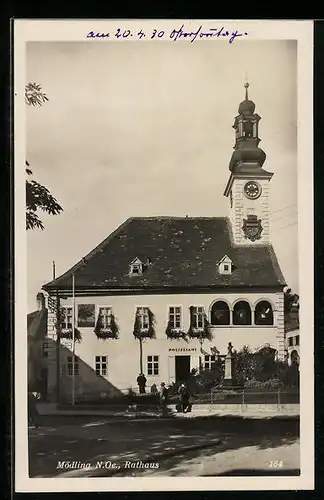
(175, 34)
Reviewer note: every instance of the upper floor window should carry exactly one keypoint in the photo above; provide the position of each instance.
(136, 267)
(175, 317)
(143, 317)
(220, 313)
(263, 314)
(66, 318)
(198, 317)
(105, 317)
(297, 340)
(290, 341)
(242, 313)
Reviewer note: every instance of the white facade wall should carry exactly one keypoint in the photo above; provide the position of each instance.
(123, 353)
(242, 207)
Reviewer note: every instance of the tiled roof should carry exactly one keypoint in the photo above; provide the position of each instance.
(292, 321)
(37, 324)
(181, 251)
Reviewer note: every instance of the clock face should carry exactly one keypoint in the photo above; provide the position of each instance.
(252, 190)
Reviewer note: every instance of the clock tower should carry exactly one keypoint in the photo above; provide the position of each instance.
(248, 185)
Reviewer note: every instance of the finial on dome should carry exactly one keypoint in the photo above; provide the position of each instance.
(246, 85)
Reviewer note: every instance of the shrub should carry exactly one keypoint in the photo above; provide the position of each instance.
(272, 383)
(206, 379)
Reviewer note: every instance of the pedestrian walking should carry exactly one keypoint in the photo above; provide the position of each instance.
(154, 389)
(163, 398)
(141, 382)
(33, 415)
(184, 397)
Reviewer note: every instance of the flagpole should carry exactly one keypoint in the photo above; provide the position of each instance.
(73, 339)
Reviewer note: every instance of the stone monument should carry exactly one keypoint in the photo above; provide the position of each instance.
(229, 377)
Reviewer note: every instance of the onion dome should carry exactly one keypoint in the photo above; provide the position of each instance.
(247, 107)
(247, 156)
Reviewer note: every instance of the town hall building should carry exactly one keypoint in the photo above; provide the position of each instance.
(165, 295)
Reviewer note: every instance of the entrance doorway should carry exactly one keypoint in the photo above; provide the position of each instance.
(182, 368)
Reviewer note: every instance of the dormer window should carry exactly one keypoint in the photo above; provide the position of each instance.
(225, 265)
(136, 267)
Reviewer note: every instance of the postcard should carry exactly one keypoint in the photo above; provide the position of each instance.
(163, 255)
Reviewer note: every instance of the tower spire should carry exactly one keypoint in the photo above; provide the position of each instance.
(246, 85)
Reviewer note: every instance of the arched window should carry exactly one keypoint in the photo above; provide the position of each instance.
(242, 313)
(263, 314)
(220, 313)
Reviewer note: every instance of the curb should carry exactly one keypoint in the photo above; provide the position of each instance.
(108, 472)
(137, 417)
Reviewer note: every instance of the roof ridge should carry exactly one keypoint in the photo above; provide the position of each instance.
(276, 265)
(185, 217)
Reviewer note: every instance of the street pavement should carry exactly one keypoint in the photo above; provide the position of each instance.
(93, 446)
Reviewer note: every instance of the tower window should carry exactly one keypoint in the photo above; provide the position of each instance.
(247, 129)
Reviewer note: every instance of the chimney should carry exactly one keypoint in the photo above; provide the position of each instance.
(40, 301)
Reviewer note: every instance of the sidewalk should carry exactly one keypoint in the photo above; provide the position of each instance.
(198, 411)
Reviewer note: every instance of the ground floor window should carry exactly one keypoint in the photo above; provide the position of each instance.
(70, 365)
(45, 349)
(101, 363)
(209, 361)
(152, 365)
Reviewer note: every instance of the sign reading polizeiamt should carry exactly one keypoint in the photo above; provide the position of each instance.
(182, 349)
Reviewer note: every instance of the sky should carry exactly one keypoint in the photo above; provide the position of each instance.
(145, 129)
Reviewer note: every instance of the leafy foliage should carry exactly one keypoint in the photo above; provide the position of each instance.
(206, 379)
(194, 332)
(172, 333)
(34, 96)
(140, 333)
(38, 197)
(68, 334)
(262, 369)
(107, 333)
(272, 383)
(290, 299)
(252, 370)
